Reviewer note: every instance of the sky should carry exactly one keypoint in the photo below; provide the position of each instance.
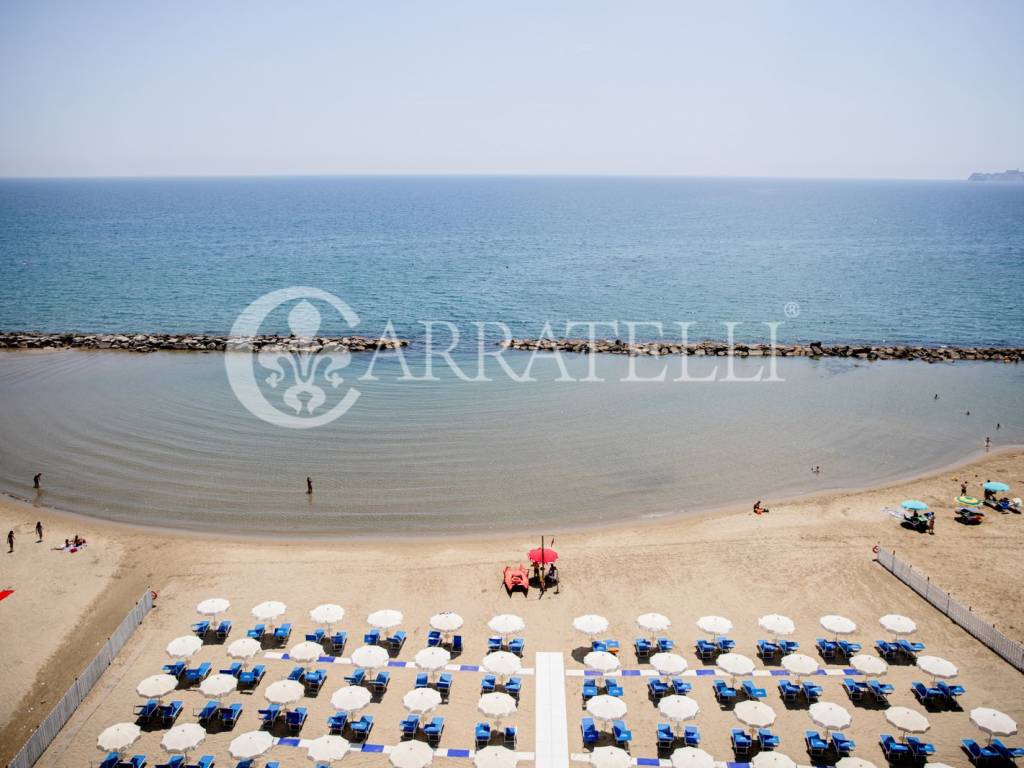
(823, 88)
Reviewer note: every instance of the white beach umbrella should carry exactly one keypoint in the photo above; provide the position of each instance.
(156, 686)
(411, 754)
(269, 610)
(653, 622)
(327, 749)
(432, 659)
(830, 716)
(799, 664)
(351, 699)
(898, 625)
(735, 664)
(213, 607)
(907, 720)
(606, 708)
(506, 624)
(496, 705)
(678, 708)
(937, 667)
(692, 757)
(860, 762)
(284, 692)
(714, 625)
(370, 656)
(495, 757)
(182, 739)
(446, 622)
(218, 685)
(771, 760)
(386, 618)
(502, 664)
(668, 663)
(777, 624)
(869, 665)
(610, 757)
(602, 661)
(119, 737)
(184, 647)
(250, 745)
(590, 624)
(838, 625)
(306, 652)
(993, 722)
(327, 614)
(420, 701)
(754, 714)
(244, 648)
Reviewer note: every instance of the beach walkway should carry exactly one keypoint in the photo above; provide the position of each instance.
(552, 746)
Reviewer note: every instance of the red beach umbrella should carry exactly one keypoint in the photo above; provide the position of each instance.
(542, 555)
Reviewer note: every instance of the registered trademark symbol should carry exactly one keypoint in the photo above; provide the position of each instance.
(792, 309)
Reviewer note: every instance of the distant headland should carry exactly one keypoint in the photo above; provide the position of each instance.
(1014, 175)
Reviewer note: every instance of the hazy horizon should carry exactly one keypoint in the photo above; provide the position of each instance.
(802, 90)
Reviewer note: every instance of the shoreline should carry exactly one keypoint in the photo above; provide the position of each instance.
(649, 520)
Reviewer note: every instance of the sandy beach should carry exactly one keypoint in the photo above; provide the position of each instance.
(803, 559)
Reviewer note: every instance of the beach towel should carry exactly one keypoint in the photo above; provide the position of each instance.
(6, 593)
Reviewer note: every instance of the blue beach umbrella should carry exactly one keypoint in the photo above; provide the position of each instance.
(996, 487)
(914, 505)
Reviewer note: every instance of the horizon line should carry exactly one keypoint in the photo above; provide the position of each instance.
(196, 177)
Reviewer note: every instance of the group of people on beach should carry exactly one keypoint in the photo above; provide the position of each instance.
(69, 544)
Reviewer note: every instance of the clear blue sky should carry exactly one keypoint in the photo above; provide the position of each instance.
(901, 89)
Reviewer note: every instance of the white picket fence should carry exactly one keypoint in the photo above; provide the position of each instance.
(1011, 650)
(65, 708)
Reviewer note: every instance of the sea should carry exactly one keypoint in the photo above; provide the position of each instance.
(454, 264)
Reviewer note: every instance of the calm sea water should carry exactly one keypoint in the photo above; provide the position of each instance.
(918, 262)
(161, 439)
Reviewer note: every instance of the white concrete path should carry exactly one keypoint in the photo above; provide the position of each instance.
(552, 749)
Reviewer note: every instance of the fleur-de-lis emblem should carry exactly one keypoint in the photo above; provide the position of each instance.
(304, 366)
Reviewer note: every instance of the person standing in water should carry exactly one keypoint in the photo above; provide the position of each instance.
(309, 485)
(36, 479)
(10, 541)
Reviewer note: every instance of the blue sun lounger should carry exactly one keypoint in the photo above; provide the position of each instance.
(880, 691)
(854, 689)
(680, 687)
(111, 760)
(297, 674)
(177, 669)
(379, 684)
(296, 719)
(979, 754)
(768, 740)
(409, 725)
(493, 644)
(621, 734)
(257, 632)
(724, 643)
(229, 716)
(723, 692)
(892, 749)
(910, 649)
(201, 628)
(788, 691)
(145, 712)
(589, 732)
(666, 738)
(234, 670)
(920, 749)
(812, 692)
(513, 687)
(691, 736)
(223, 630)
(396, 641)
(170, 712)
(516, 645)
(444, 685)
(314, 681)
(338, 641)
(1010, 753)
(251, 678)
(316, 636)
(361, 728)
(751, 691)
(487, 683)
(269, 715)
(842, 745)
(643, 648)
(372, 637)
(951, 691)
(656, 688)
(849, 649)
(612, 688)
(174, 761)
(767, 650)
(336, 723)
(706, 650)
(206, 761)
(456, 645)
(788, 646)
(422, 680)
(511, 737)
(198, 674)
(927, 696)
(483, 735)
(665, 645)
(827, 648)
(434, 730)
(283, 633)
(357, 676)
(207, 713)
(741, 743)
(589, 690)
(816, 746)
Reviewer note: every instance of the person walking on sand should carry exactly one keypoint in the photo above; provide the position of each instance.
(10, 542)
(39, 530)
(36, 479)
(963, 488)
(309, 485)
(931, 524)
